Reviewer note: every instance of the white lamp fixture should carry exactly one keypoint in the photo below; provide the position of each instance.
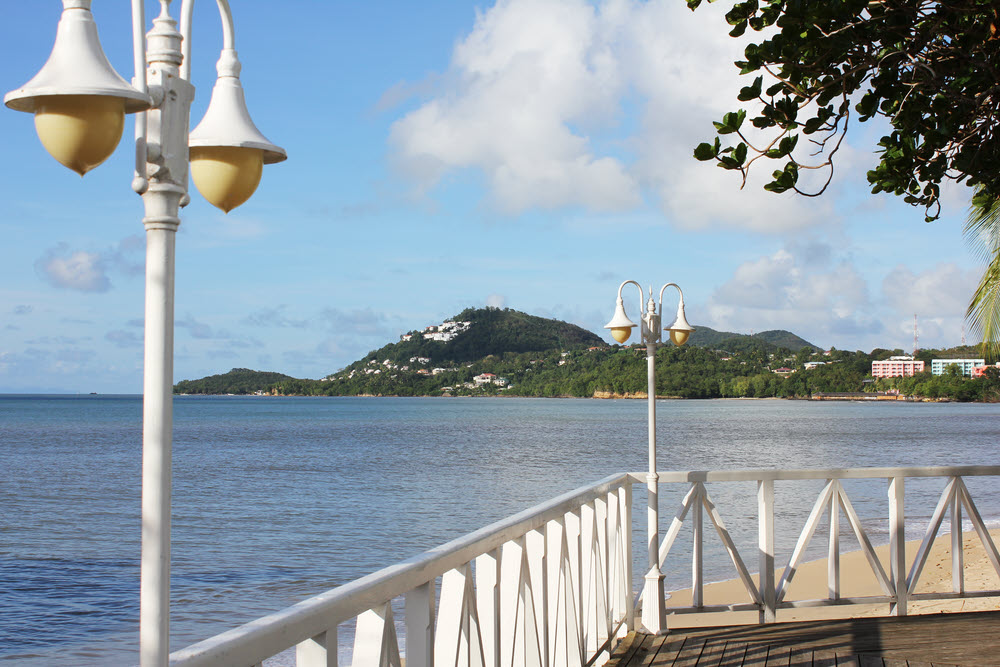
(620, 325)
(654, 616)
(78, 99)
(680, 330)
(79, 103)
(227, 150)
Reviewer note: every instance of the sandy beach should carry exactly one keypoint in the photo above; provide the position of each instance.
(857, 580)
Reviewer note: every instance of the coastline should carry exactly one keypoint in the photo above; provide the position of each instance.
(857, 580)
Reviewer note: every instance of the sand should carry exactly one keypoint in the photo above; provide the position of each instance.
(856, 580)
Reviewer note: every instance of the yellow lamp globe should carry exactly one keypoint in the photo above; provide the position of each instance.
(226, 175)
(80, 131)
(679, 337)
(621, 334)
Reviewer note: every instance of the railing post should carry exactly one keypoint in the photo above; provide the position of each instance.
(697, 557)
(957, 552)
(897, 546)
(765, 542)
(320, 651)
(833, 552)
(419, 614)
(488, 602)
(625, 504)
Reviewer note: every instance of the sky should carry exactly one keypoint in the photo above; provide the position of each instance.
(529, 154)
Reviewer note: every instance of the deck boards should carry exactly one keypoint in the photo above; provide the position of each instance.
(941, 640)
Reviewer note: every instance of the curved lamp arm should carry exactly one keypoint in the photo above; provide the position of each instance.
(679, 329)
(641, 293)
(228, 32)
(663, 289)
(139, 182)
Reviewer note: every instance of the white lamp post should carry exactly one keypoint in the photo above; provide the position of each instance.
(654, 616)
(79, 103)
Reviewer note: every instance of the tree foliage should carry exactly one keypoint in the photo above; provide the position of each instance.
(929, 67)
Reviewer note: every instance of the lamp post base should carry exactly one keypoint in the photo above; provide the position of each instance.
(654, 611)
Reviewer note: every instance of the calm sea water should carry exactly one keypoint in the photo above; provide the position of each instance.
(277, 499)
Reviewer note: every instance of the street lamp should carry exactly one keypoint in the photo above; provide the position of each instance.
(654, 616)
(79, 103)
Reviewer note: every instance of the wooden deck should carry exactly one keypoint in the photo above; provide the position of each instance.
(970, 639)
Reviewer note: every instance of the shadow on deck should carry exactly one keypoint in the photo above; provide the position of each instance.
(969, 639)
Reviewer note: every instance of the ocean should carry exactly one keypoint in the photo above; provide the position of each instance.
(277, 499)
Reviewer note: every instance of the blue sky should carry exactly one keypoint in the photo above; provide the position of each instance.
(529, 154)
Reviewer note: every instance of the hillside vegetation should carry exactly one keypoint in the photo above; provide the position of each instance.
(512, 353)
(236, 381)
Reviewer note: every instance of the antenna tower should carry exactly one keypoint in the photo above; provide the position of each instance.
(915, 347)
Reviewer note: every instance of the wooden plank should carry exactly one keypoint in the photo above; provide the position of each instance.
(800, 656)
(690, 653)
(666, 652)
(733, 657)
(847, 660)
(712, 654)
(756, 655)
(824, 658)
(870, 660)
(778, 656)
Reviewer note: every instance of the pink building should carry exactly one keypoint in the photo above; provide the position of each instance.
(897, 367)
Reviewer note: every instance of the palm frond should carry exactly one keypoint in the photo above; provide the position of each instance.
(982, 234)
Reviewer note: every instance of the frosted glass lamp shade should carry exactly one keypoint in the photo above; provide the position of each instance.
(680, 330)
(80, 131)
(679, 337)
(78, 99)
(620, 324)
(226, 175)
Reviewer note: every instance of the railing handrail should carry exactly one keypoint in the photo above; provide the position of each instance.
(779, 474)
(314, 615)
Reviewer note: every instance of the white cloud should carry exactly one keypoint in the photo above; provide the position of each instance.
(564, 103)
(802, 289)
(79, 270)
(815, 290)
(496, 301)
(88, 271)
(942, 291)
(530, 73)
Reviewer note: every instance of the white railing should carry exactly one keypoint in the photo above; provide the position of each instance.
(552, 586)
(549, 586)
(898, 585)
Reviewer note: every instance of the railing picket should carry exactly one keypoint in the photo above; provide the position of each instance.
(957, 551)
(419, 613)
(897, 545)
(980, 527)
(697, 590)
(807, 532)
(866, 545)
(537, 584)
(553, 585)
(574, 559)
(488, 603)
(318, 651)
(833, 552)
(625, 523)
(765, 547)
(947, 496)
(734, 554)
(375, 643)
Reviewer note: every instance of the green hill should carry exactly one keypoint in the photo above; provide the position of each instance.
(491, 331)
(236, 381)
(767, 341)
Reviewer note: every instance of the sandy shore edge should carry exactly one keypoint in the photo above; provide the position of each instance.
(857, 580)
